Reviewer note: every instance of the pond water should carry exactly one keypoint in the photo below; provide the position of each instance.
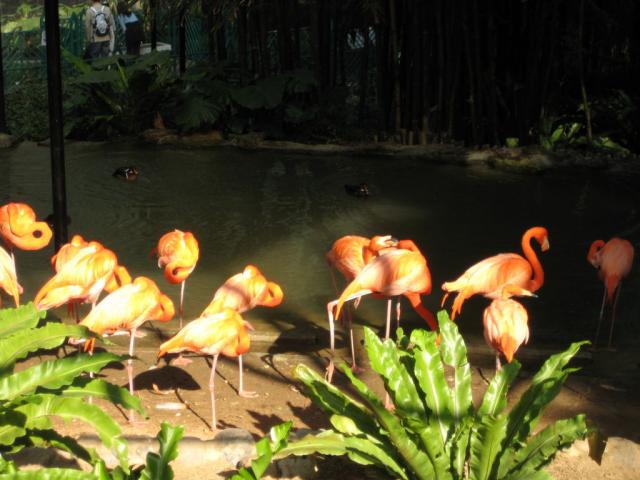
(282, 212)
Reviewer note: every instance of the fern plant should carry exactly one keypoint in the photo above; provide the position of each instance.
(435, 432)
(30, 397)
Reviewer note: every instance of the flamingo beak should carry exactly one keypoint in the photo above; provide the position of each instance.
(248, 326)
(545, 245)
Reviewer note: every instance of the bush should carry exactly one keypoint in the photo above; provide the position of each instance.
(27, 108)
(435, 431)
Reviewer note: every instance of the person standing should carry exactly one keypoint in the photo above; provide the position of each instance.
(99, 30)
(132, 28)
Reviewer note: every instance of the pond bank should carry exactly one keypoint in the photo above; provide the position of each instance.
(523, 159)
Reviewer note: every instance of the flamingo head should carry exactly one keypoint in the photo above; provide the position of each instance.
(594, 257)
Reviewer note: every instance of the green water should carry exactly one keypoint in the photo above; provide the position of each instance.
(283, 212)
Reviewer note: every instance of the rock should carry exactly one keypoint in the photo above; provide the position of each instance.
(297, 468)
(211, 138)
(236, 443)
(6, 140)
(623, 456)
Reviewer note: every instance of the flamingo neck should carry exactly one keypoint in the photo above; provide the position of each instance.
(538, 273)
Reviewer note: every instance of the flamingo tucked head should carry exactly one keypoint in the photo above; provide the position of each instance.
(19, 228)
(594, 257)
(178, 253)
(506, 326)
(8, 279)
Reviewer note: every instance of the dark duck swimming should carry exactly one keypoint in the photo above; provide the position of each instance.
(361, 190)
(126, 173)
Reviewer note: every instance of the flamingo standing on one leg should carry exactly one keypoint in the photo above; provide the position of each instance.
(83, 277)
(489, 275)
(242, 292)
(221, 332)
(349, 255)
(506, 323)
(127, 308)
(178, 254)
(613, 260)
(8, 279)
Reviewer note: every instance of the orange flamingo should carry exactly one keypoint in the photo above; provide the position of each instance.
(242, 292)
(349, 255)
(8, 280)
(19, 228)
(489, 275)
(127, 308)
(63, 255)
(82, 278)
(403, 271)
(613, 260)
(221, 332)
(178, 254)
(505, 323)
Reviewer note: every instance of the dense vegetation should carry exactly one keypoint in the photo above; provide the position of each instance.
(420, 71)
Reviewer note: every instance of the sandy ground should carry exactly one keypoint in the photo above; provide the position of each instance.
(180, 395)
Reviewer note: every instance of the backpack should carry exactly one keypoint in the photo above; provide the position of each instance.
(100, 25)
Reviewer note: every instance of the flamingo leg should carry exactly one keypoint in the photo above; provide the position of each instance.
(613, 314)
(212, 393)
(332, 341)
(241, 391)
(498, 364)
(130, 367)
(181, 311)
(387, 332)
(398, 313)
(604, 300)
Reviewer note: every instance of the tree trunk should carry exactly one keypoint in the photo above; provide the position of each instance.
(583, 87)
(393, 36)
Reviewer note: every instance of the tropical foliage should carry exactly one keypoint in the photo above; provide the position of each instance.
(435, 431)
(266, 449)
(34, 394)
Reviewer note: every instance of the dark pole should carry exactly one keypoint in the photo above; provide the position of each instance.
(3, 113)
(52, 30)
(154, 24)
(182, 41)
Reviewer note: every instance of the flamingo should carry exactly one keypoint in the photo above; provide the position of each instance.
(242, 292)
(19, 228)
(82, 277)
(613, 260)
(349, 255)
(403, 271)
(127, 308)
(8, 280)
(178, 254)
(221, 332)
(505, 323)
(489, 275)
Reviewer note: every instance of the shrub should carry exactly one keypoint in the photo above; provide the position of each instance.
(435, 431)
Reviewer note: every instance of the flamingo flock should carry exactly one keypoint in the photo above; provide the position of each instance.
(381, 266)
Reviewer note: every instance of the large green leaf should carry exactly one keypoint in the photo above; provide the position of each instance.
(52, 335)
(51, 438)
(429, 434)
(541, 449)
(53, 374)
(46, 405)
(13, 320)
(545, 385)
(459, 444)
(333, 401)
(406, 446)
(98, 388)
(11, 426)
(430, 373)
(486, 442)
(495, 398)
(366, 452)
(49, 474)
(454, 354)
(272, 89)
(251, 97)
(385, 360)
(157, 467)
(324, 443)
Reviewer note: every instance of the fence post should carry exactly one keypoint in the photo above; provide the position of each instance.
(56, 131)
(182, 40)
(154, 24)
(3, 111)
